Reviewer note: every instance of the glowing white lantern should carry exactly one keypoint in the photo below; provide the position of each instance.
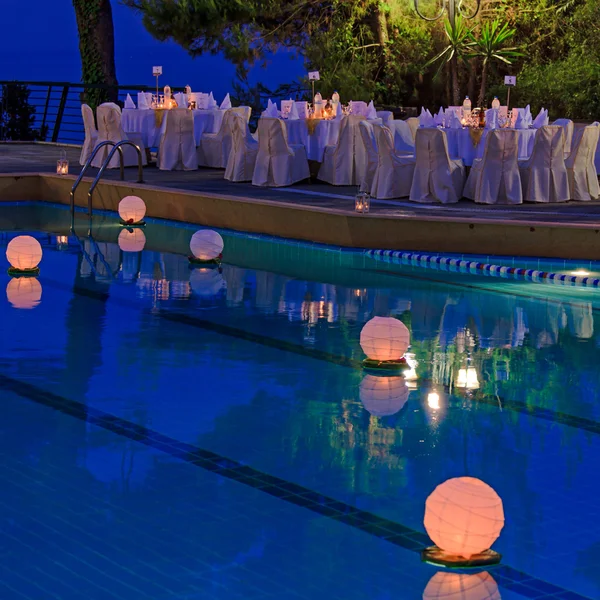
(132, 240)
(132, 209)
(384, 338)
(206, 282)
(461, 586)
(467, 379)
(24, 292)
(206, 244)
(433, 400)
(24, 253)
(464, 516)
(383, 396)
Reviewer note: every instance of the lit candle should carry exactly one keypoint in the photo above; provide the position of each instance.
(62, 166)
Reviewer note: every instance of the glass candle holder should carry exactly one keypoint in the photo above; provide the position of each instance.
(359, 202)
(62, 166)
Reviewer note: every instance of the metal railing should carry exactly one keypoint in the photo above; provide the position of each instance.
(116, 147)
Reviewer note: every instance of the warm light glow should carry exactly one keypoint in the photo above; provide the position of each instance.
(433, 400)
(580, 273)
(206, 282)
(24, 252)
(132, 240)
(62, 166)
(411, 373)
(383, 396)
(24, 292)
(461, 586)
(384, 338)
(467, 379)
(132, 209)
(464, 516)
(206, 244)
(62, 239)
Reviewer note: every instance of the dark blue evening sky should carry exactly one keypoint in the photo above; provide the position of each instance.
(39, 43)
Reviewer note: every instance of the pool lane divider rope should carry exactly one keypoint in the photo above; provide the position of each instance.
(474, 267)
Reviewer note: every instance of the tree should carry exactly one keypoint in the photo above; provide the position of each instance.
(97, 49)
(17, 115)
(490, 47)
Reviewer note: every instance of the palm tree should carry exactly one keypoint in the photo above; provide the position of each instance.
(490, 46)
(460, 42)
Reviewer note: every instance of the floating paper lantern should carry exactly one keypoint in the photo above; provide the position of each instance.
(132, 240)
(206, 282)
(464, 516)
(384, 339)
(206, 245)
(461, 586)
(383, 396)
(132, 210)
(24, 253)
(467, 379)
(24, 292)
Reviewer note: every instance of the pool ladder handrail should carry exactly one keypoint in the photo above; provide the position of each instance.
(117, 146)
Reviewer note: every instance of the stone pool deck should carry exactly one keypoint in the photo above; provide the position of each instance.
(312, 211)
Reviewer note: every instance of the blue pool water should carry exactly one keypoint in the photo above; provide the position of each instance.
(177, 433)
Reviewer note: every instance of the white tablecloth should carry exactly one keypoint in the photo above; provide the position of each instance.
(326, 133)
(144, 122)
(460, 144)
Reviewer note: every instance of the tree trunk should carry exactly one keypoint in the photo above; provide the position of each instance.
(380, 31)
(455, 84)
(97, 48)
(472, 77)
(483, 85)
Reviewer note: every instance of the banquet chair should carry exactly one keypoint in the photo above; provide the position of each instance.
(214, 148)
(108, 117)
(413, 123)
(242, 158)
(404, 141)
(245, 111)
(387, 117)
(581, 170)
(278, 163)
(568, 128)
(543, 174)
(177, 148)
(394, 173)
(367, 134)
(437, 178)
(339, 160)
(359, 107)
(495, 179)
(91, 133)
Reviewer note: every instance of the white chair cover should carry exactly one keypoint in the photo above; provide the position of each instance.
(338, 167)
(387, 117)
(109, 128)
(245, 111)
(278, 163)
(543, 174)
(568, 128)
(91, 133)
(437, 177)
(495, 179)
(177, 149)
(404, 140)
(413, 123)
(370, 144)
(583, 180)
(394, 173)
(214, 148)
(242, 159)
(359, 107)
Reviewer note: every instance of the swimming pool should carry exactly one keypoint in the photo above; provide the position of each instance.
(170, 432)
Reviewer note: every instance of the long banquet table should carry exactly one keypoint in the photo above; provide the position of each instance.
(148, 123)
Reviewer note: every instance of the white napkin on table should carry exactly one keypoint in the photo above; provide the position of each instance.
(371, 112)
(541, 119)
(426, 119)
(491, 118)
(212, 103)
(271, 110)
(339, 112)
(143, 101)
(129, 102)
(226, 103)
(521, 122)
(439, 118)
(180, 99)
(293, 114)
(455, 121)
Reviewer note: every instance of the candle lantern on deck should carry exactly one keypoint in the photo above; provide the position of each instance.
(62, 164)
(207, 247)
(384, 340)
(132, 210)
(463, 517)
(362, 202)
(24, 254)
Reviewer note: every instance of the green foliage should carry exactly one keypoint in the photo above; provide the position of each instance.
(17, 115)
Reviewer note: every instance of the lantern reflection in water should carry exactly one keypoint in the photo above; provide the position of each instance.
(383, 396)
(24, 292)
(461, 586)
(467, 379)
(206, 282)
(132, 240)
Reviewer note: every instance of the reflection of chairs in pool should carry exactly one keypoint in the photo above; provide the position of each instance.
(461, 586)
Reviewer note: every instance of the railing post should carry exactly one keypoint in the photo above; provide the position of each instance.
(61, 110)
(46, 107)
